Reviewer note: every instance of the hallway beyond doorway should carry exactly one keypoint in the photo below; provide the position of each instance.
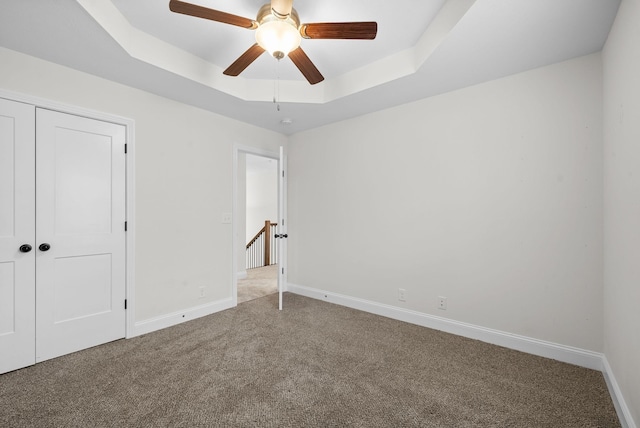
(258, 283)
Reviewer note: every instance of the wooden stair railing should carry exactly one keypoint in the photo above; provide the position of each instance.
(262, 249)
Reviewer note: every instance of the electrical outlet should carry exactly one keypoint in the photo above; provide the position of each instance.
(227, 218)
(442, 303)
(201, 292)
(402, 294)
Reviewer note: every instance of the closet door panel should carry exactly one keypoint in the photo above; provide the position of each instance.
(17, 222)
(80, 217)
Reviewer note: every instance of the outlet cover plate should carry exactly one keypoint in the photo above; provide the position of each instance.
(442, 303)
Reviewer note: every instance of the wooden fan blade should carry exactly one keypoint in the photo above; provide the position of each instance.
(214, 15)
(244, 61)
(340, 30)
(306, 67)
(281, 8)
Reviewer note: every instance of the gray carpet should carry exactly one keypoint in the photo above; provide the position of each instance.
(259, 282)
(314, 364)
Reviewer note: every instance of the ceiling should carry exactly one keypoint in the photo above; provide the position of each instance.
(422, 49)
(255, 164)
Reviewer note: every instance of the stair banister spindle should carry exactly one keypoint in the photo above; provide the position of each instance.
(262, 249)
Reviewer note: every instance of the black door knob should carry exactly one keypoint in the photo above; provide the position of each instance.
(44, 247)
(25, 248)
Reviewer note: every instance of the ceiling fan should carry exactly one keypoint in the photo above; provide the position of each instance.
(278, 31)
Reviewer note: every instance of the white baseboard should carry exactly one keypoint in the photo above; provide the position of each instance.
(567, 354)
(624, 414)
(164, 321)
(241, 275)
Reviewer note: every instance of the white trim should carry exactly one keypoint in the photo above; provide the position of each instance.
(65, 108)
(624, 414)
(175, 318)
(242, 274)
(567, 354)
(129, 124)
(131, 230)
(151, 50)
(237, 149)
(283, 254)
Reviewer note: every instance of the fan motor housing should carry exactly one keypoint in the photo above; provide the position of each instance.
(265, 13)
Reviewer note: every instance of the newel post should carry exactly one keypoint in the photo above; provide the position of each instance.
(267, 242)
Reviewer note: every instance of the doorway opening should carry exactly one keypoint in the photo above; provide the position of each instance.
(258, 274)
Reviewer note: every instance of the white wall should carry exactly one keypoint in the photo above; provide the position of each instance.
(490, 196)
(241, 216)
(183, 180)
(262, 199)
(621, 62)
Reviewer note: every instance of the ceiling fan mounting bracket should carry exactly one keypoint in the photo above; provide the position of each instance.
(303, 31)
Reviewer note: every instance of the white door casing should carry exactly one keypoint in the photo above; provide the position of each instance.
(17, 217)
(80, 213)
(282, 196)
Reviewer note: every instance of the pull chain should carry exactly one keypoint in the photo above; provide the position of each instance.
(276, 87)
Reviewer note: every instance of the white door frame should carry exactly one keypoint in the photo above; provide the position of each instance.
(129, 124)
(237, 149)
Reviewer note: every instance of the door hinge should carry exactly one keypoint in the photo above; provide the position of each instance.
(125, 304)
(283, 271)
(125, 148)
(283, 174)
(125, 226)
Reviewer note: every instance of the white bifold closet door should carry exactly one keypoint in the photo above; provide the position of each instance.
(17, 221)
(80, 213)
(68, 292)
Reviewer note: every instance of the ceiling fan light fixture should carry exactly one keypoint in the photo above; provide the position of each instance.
(278, 32)
(278, 35)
